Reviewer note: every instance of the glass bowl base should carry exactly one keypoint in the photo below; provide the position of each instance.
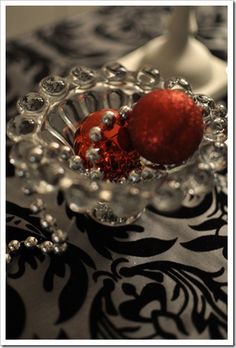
(104, 215)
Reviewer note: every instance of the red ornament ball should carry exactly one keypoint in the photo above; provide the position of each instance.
(117, 157)
(166, 126)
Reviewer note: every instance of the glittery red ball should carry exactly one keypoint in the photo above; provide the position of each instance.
(117, 156)
(166, 126)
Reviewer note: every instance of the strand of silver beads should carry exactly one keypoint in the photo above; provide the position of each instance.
(56, 245)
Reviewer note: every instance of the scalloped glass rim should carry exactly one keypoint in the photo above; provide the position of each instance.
(110, 87)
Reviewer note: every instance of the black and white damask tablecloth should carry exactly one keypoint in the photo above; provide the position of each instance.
(164, 277)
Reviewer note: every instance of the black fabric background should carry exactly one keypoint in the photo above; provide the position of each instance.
(163, 277)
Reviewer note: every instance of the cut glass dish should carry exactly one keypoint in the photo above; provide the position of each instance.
(43, 153)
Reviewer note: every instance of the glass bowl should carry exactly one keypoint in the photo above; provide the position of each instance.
(43, 135)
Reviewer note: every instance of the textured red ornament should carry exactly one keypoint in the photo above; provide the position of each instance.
(166, 126)
(117, 156)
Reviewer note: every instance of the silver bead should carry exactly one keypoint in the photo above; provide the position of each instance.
(21, 173)
(122, 180)
(134, 177)
(28, 189)
(8, 258)
(108, 119)
(53, 150)
(65, 153)
(46, 247)
(37, 206)
(184, 83)
(95, 174)
(76, 163)
(48, 221)
(35, 154)
(14, 245)
(59, 236)
(60, 248)
(95, 134)
(30, 242)
(124, 110)
(92, 154)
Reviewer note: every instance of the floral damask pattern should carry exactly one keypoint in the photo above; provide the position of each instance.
(196, 293)
(164, 277)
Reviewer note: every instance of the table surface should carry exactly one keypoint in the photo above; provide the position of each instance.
(163, 277)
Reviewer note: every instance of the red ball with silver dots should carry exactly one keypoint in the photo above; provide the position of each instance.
(166, 126)
(103, 141)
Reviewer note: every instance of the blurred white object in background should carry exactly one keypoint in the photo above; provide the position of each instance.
(179, 54)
